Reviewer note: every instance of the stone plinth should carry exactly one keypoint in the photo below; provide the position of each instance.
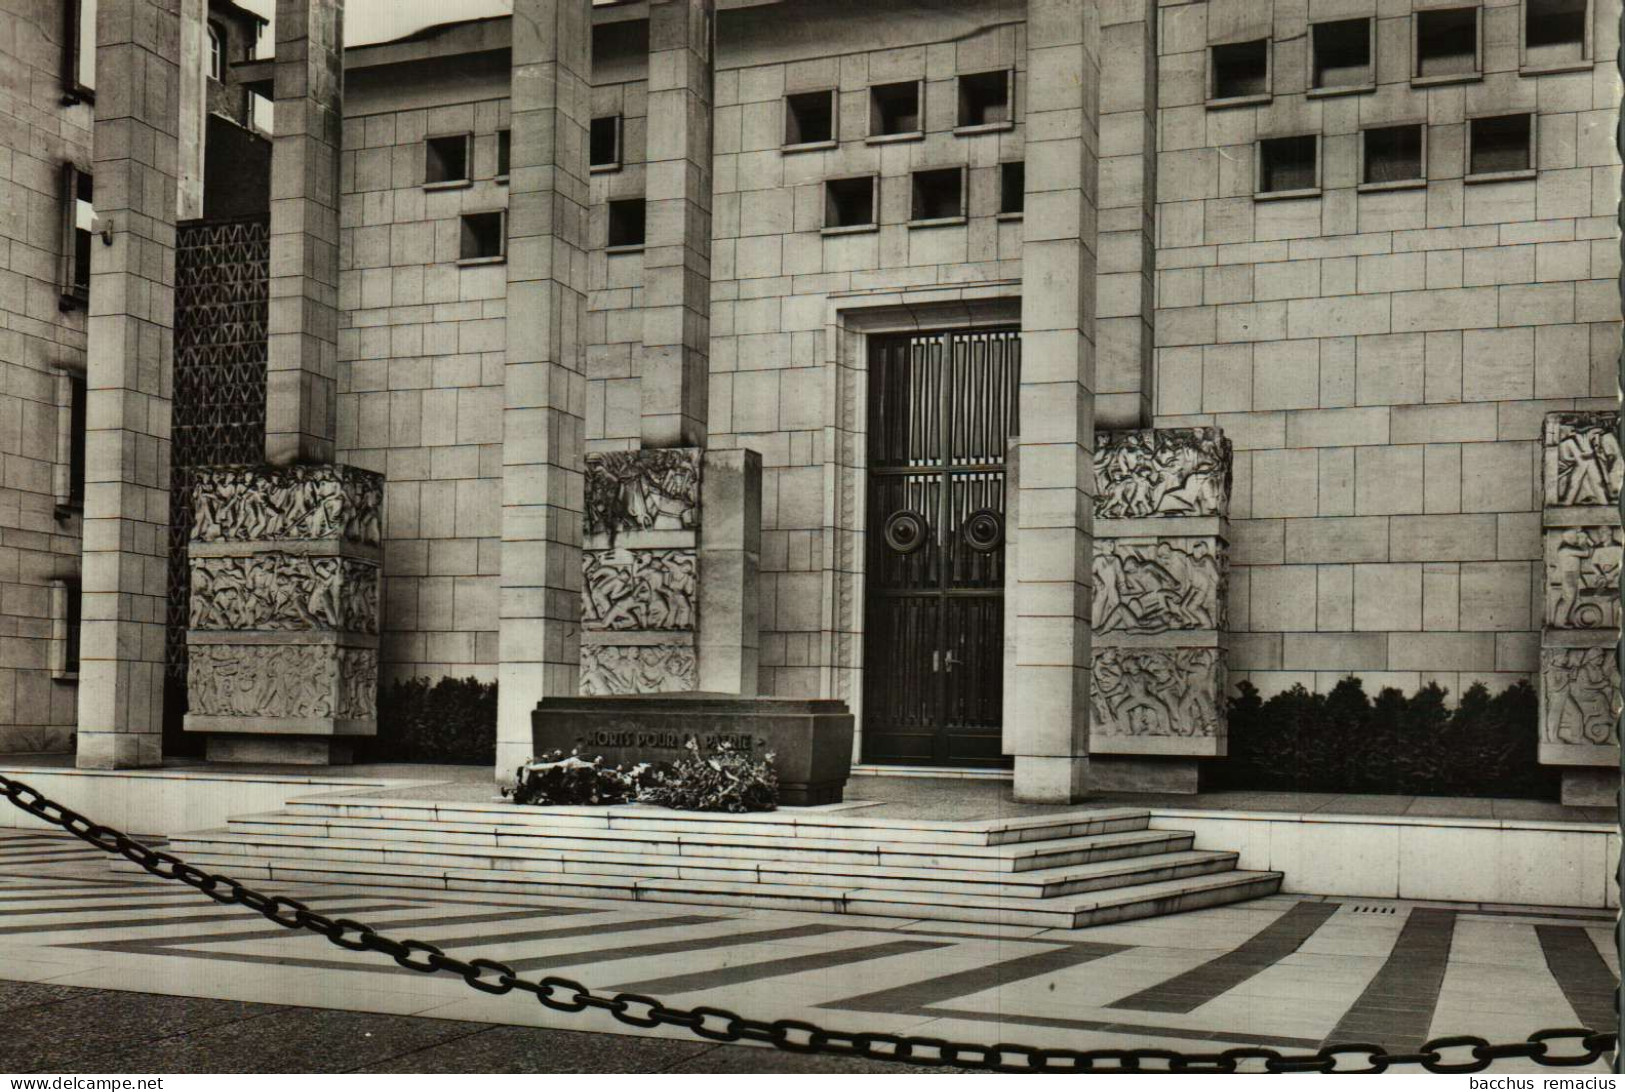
(1579, 670)
(811, 741)
(1158, 687)
(283, 635)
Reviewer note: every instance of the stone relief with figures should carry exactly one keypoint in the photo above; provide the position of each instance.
(639, 589)
(277, 591)
(1580, 700)
(1162, 472)
(1583, 465)
(1153, 585)
(1582, 577)
(282, 681)
(657, 489)
(302, 503)
(1158, 692)
(637, 669)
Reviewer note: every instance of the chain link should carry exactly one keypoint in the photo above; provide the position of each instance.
(1557, 1047)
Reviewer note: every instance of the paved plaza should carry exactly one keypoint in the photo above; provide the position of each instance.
(1290, 972)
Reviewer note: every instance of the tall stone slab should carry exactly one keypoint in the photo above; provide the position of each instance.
(1051, 740)
(1160, 565)
(1579, 665)
(302, 346)
(129, 377)
(544, 391)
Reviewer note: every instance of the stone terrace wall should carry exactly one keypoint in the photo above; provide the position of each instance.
(1383, 361)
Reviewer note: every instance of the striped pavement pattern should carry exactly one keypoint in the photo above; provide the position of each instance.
(1287, 971)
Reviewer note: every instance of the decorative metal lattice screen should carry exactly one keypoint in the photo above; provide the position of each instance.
(222, 270)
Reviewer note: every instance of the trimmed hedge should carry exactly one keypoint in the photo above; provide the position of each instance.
(453, 721)
(1345, 742)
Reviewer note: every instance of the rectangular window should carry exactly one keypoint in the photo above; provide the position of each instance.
(1239, 72)
(894, 110)
(986, 100)
(504, 153)
(1501, 147)
(78, 51)
(628, 220)
(938, 196)
(604, 145)
(78, 226)
(1393, 156)
(1446, 45)
(1556, 34)
(66, 608)
(1012, 189)
(849, 203)
(76, 441)
(1289, 166)
(1340, 55)
(446, 160)
(484, 238)
(809, 119)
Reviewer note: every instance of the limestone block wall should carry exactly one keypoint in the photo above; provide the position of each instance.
(1383, 359)
(39, 346)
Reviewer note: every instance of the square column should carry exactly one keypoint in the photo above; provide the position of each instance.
(129, 376)
(302, 329)
(1050, 741)
(544, 392)
(677, 237)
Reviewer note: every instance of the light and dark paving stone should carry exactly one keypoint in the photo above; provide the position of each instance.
(1396, 1008)
(1581, 973)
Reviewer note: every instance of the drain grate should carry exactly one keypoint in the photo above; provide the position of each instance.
(1373, 910)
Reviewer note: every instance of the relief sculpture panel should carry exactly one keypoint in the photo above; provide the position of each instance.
(281, 681)
(271, 503)
(1162, 472)
(1583, 464)
(276, 591)
(637, 669)
(639, 589)
(1582, 578)
(1155, 692)
(1153, 585)
(1579, 696)
(657, 489)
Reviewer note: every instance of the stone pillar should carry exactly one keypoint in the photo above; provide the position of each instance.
(194, 110)
(302, 344)
(1051, 740)
(730, 564)
(544, 391)
(1579, 667)
(677, 233)
(1158, 693)
(1124, 288)
(129, 372)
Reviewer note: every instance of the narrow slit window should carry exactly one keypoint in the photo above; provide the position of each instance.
(894, 109)
(1342, 54)
(76, 441)
(849, 203)
(1392, 154)
(79, 51)
(446, 160)
(627, 222)
(66, 626)
(1288, 165)
(604, 145)
(1446, 43)
(809, 118)
(217, 52)
(1239, 70)
(939, 195)
(78, 228)
(1500, 145)
(484, 237)
(985, 99)
(1554, 32)
(504, 152)
(1012, 189)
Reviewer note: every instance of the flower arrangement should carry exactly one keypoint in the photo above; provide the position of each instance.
(722, 779)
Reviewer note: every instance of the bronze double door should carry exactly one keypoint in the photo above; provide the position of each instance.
(942, 412)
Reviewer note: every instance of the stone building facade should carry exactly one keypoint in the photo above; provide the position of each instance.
(1372, 242)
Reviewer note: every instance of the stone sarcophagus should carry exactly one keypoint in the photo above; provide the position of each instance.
(1579, 671)
(1158, 687)
(283, 634)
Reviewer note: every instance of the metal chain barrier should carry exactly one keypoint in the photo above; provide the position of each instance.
(1556, 1047)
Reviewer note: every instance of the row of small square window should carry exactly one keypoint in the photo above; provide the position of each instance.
(1395, 156)
(897, 110)
(1446, 47)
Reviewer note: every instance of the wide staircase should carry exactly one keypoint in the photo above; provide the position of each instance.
(1066, 870)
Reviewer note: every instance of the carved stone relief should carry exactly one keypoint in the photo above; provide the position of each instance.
(281, 681)
(657, 489)
(1174, 692)
(1153, 585)
(639, 589)
(1583, 465)
(1579, 696)
(1162, 472)
(637, 669)
(272, 503)
(358, 684)
(1582, 577)
(278, 591)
